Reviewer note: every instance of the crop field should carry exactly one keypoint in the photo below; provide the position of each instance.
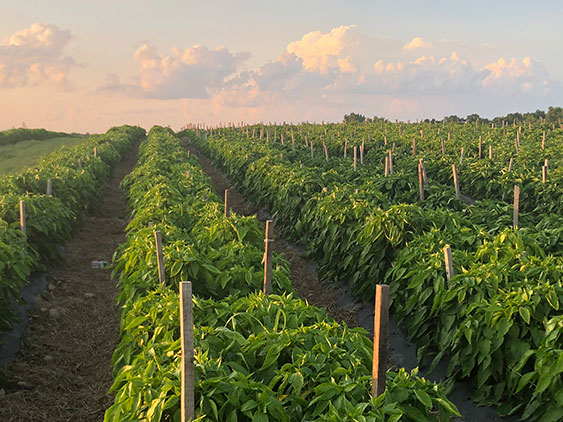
(377, 203)
(26, 244)
(462, 222)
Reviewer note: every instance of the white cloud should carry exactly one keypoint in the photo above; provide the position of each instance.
(321, 52)
(526, 76)
(417, 43)
(195, 72)
(35, 55)
(328, 74)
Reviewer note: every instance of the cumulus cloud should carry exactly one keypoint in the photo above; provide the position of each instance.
(424, 75)
(526, 76)
(35, 55)
(328, 74)
(417, 43)
(195, 72)
(321, 52)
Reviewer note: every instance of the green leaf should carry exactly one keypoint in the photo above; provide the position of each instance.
(424, 398)
(525, 314)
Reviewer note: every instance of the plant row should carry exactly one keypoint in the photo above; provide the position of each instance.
(497, 321)
(76, 180)
(480, 177)
(257, 357)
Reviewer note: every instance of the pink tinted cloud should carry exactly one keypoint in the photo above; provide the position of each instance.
(319, 75)
(34, 56)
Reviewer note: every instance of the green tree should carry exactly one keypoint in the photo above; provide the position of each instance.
(354, 118)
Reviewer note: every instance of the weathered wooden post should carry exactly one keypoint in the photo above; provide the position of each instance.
(456, 182)
(187, 349)
(23, 220)
(269, 238)
(49, 187)
(380, 340)
(227, 211)
(448, 261)
(159, 257)
(516, 206)
(420, 182)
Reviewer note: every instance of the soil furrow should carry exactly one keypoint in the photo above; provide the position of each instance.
(63, 371)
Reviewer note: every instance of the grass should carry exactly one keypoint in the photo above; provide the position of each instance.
(24, 154)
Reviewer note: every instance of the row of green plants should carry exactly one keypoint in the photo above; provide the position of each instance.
(13, 136)
(257, 357)
(51, 219)
(480, 178)
(507, 293)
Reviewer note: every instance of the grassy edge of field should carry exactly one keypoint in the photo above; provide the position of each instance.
(25, 154)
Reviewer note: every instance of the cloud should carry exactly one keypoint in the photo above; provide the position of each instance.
(321, 52)
(526, 76)
(36, 55)
(323, 75)
(195, 72)
(417, 43)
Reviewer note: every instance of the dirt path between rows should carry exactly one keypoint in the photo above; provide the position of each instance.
(341, 305)
(303, 278)
(63, 372)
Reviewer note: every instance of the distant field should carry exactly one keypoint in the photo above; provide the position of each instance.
(25, 154)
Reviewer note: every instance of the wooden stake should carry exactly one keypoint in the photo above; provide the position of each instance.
(355, 153)
(516, 206)
(311, 148)
(95, 152)
(49, 187)
(544, 174)
(386, 165)
(23, 221)
(461, 157)
(345, 147)
(424, 177)
(187, 346)
(227, 211)
(480, 147)
(420, 182)
(456, 182)
(326, 150)
(490, 152)
(510, 163)
(543, 140)
(443, 147)
(268, 256)
(449, 263)
(160, 257)
(413, 147)
(362, 146)
(390, 161)
(80, 163)
(380, 340)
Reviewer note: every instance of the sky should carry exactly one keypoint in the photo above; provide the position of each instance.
(85, 66)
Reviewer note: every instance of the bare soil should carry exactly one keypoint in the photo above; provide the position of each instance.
(63, 371)
(303, 278)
